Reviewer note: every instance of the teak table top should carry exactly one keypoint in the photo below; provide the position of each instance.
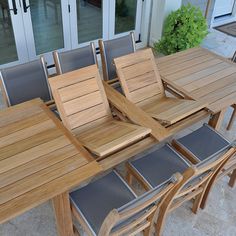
(39, 159)
(201, 75)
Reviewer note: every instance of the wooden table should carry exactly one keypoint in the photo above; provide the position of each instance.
(39, 160)
(199, 74)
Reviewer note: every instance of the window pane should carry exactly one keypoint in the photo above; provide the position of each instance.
(7, 40)
(47, 25)
(125, 15)
(89, 20)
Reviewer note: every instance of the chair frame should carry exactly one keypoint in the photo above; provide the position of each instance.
(104, 59)
(79, 124)
(199, 191)
(229, 171)
(57, 59)
(137, 95)
(6, 99)
(148, 217)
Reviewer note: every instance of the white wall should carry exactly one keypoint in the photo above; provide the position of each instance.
(160, 10)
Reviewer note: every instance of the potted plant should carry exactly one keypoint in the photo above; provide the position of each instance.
(183, 29)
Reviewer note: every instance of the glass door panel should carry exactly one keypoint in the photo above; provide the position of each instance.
(46, 19)
(46, 27)
(12, 39)
(125, 17)
(89, 20)
(7, 42)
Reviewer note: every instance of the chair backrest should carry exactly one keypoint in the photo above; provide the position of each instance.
(80, 98)
(25, 82)
(75, 59)
(234, 57)
(138, 214)
(202, 172)
(113, 48)
(139, 76)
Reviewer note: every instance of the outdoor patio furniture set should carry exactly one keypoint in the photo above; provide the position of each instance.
(95, 125)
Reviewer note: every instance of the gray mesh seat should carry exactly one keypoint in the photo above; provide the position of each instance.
(25, 82)
(97, 199)
(75, 59)
(114, 48)
(157, 165)
(204, 143)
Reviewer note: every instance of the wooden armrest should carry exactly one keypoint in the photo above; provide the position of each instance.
(134, 113)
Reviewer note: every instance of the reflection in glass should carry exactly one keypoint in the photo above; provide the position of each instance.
(125, 15)
(89, 19)
(8, 51)
(47, 25)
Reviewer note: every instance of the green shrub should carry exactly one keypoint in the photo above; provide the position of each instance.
(183, 29)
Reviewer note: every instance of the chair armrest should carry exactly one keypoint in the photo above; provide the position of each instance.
(134, 113)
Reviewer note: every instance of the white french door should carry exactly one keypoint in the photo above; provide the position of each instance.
(30, 28)
(91, 20)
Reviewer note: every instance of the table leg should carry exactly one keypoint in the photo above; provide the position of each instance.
(217, 119)
(63, 215)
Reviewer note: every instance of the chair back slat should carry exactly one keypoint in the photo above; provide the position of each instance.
(139, 77)
(80, 97)
(75, 59)
(205, 171)
(25, 82)
(113, 48)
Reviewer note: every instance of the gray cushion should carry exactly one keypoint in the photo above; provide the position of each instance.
(116, 48)
(97, 199)
(204, 143)
(76, 59)
(25, 82)
(157, 166)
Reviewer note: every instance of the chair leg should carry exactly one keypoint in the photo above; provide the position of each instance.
(198, 199)
(232, 119)
(232, 180)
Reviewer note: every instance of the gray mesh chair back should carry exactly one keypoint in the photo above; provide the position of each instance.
(25, 82)
(75, 59)
(114, 48)
(139, 212)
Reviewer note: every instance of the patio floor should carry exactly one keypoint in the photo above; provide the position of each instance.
(217, 219)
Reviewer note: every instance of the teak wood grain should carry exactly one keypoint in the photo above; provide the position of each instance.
(84, 109)
(39, 159)
(142, 85)
(212, 81)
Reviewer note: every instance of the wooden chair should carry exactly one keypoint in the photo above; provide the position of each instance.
(75, 59)
(153, 168)
(84, 110)
(25, 82)
(204, 143)
(142, 85)
(111, 49)
(101, 211)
